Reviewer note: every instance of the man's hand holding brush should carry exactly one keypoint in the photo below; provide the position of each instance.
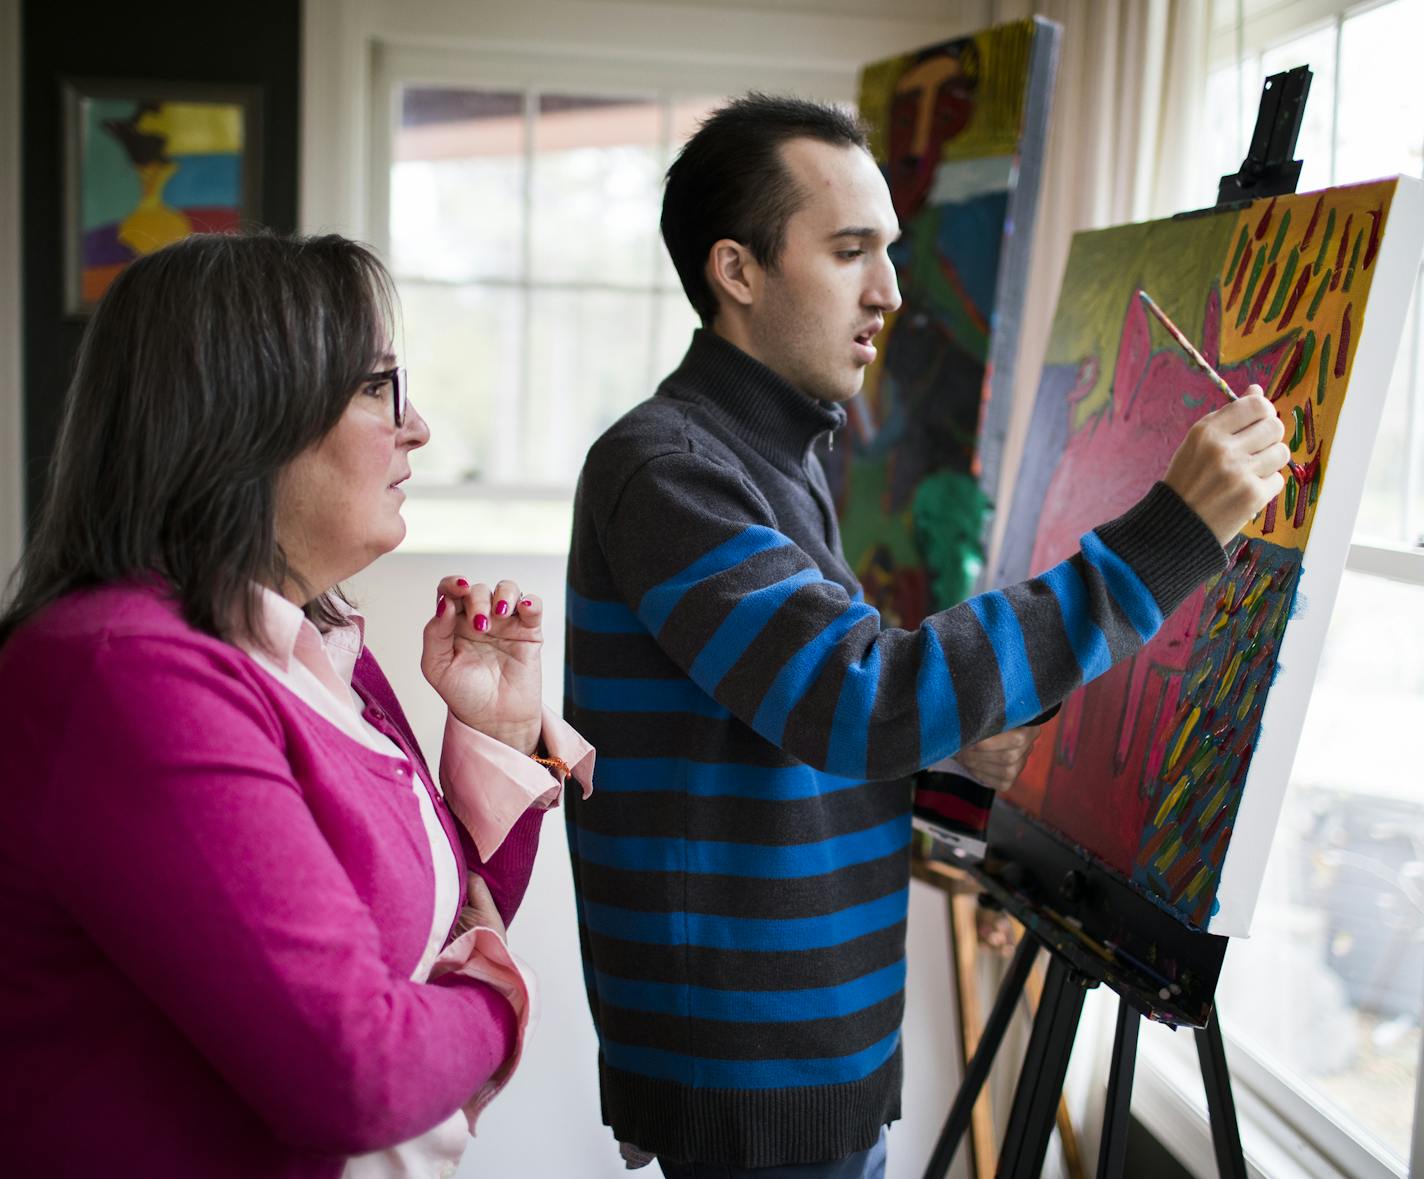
(1229, 465)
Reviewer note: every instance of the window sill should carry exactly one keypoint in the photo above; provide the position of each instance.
(471, 519)
(1168, 1099)
(1379, 558)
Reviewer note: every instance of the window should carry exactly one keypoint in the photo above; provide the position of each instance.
(538, 301)
(1322, 1003)
(1364, 119)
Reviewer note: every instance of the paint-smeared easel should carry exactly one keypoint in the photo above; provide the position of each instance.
(1096, 928)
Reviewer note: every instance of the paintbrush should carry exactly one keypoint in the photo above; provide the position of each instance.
(1200, 361)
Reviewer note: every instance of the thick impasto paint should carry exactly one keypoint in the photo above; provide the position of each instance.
(958, 130)
(1147, 767)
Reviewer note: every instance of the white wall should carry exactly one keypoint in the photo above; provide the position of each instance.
(547, 1122)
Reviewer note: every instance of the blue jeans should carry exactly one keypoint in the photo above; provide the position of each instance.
(864, 1164)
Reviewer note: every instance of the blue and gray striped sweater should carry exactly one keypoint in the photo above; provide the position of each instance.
(741, 869)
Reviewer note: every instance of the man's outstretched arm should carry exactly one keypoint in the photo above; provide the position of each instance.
(747, 615)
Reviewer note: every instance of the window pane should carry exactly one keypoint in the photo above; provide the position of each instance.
(457, 185)
(596, 190)
(1414, 505)
(676, 323)
(1327, 987)
(1381, 124)
(1382, 508)
(462, 348)
(1232, 94)
(1317, 50)
(588, 365)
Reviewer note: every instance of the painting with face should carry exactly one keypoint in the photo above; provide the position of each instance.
(1170, 769)
(958, 131)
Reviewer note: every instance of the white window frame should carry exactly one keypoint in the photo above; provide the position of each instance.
(395, 67)
(1285, 1134)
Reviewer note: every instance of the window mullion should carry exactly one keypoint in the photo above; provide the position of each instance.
(655, 301)
(1335, 99)
(1411, 485)
(514, 455)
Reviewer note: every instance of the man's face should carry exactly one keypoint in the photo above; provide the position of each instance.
(818, 311)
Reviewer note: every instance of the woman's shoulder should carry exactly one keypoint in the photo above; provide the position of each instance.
(99, 629)
(136, 608)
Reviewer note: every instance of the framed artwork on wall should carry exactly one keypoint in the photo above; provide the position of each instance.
(148, 163)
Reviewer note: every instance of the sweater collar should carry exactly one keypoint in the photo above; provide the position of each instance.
(768, 411)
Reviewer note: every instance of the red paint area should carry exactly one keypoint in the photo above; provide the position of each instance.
(1342, 351)
(1314, 220)
(1113, 732)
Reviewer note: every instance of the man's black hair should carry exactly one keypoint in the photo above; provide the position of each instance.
(729, 181)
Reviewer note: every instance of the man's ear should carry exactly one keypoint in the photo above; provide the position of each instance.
(733, 272)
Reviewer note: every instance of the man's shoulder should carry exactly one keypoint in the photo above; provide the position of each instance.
(663, 426)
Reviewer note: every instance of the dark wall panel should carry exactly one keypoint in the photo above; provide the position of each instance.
(252, 44)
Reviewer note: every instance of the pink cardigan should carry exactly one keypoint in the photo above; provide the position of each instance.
(212, 901)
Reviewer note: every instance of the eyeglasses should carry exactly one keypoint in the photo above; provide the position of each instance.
(400, 394)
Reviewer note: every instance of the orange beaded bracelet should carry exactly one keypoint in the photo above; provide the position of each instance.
(554, 765)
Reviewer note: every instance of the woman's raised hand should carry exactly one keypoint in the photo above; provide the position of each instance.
(481, 653)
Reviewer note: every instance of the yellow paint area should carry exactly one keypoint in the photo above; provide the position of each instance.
(153, 225)
(1353, 204)
(1182, 739)
(196, 128)
(1171, 800)
(994, 67)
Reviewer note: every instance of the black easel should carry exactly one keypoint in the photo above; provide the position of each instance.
(1094, 925)
(1045, 1065)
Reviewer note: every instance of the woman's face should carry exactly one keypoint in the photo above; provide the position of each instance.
(339, 501)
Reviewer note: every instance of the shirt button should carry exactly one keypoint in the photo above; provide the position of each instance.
(376, 714)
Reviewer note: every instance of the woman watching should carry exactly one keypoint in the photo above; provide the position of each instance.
(247, 932)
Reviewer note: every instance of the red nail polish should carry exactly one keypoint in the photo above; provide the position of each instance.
(527, 602)
(501, 608)
(440, 606)
(481, 622)
(462, 583)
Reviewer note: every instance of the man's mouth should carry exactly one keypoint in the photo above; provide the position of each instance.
(864, 347)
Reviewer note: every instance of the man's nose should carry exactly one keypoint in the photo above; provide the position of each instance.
(884, 292)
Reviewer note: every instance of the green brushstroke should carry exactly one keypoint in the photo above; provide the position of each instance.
(1354, 258)
(1307, 352)
(1324, 371)
(1250, 287)
(1290, 497)
(1319, 294)
(1280, 235)
(1292, 261)
(1299, 436)
(1325, 241)
(1240, 249)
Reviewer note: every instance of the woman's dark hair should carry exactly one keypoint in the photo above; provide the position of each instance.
(729, 181)
(208, 366)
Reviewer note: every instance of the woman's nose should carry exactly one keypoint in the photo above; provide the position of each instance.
(415, 431)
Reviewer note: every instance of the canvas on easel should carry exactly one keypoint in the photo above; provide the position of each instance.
(1170, 769)
(959, 131)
